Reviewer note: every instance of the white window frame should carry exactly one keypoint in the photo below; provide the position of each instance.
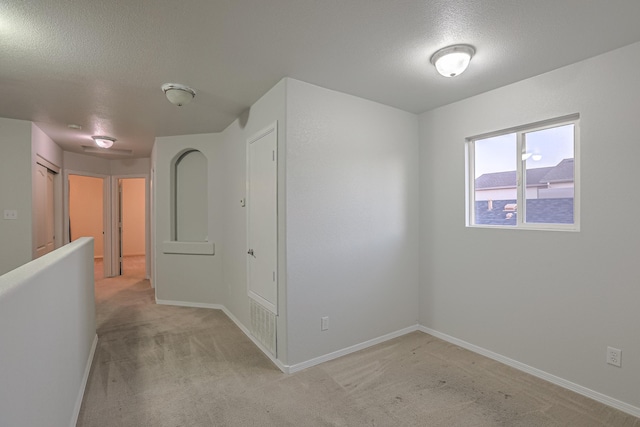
(520, 131)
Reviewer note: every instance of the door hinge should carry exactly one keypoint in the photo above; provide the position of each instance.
(273, 156)
(274, 276)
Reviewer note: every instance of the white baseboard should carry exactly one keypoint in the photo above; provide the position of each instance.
(233, 319)
(602, 398)
(83, 384)
(189, 304)
(348, 350)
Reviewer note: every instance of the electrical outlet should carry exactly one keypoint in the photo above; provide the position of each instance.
(614, 356)
(10, 214)
(324, 323)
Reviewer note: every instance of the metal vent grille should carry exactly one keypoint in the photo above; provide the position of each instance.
(263, 326)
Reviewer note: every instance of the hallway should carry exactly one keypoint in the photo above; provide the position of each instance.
(155, 365)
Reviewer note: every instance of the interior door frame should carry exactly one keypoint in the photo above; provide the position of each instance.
(114, 216)
(106, 215)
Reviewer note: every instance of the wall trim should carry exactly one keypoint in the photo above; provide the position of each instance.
(351, 349)
(190, 304)
(83, 384)
(602, 398)
(234, 319)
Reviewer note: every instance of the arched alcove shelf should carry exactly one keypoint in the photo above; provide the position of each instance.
(189, 205)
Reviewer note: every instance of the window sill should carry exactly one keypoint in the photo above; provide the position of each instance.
(529, 227)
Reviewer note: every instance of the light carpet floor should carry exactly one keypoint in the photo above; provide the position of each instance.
(175, 366)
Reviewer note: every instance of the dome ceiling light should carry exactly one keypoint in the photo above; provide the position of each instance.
(178, 94)
(451, 61)
(104, 141)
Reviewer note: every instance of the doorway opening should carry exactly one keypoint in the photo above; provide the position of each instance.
(86, 215)
(131, 227)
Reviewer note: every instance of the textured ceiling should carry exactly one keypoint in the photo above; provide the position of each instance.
(100, 64)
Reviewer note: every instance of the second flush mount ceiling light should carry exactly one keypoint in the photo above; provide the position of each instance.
(451, 61)
(104, 141)
(178, 94)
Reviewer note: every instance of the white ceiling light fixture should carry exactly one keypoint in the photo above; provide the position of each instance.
(178, 94)
(104, 141)
(451, 61)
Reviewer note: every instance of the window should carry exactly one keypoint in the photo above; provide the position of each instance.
(525, 177)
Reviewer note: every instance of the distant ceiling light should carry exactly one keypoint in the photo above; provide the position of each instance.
(178, 94)
(534, 157)
(104, 141)
(112, 152)
(72, 126)
(451, 61)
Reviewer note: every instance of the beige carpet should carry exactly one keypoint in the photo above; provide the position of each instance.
(175, 366)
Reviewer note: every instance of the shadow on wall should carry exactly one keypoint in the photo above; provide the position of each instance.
(243, 118)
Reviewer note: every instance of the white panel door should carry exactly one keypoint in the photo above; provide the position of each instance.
(262, 223)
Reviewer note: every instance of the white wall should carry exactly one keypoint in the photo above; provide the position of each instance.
(15, 193)
(551, 300)
(352, 220)
(98, 165)
(347, 212)
(188, 278)
(47, 331)
(130, 166)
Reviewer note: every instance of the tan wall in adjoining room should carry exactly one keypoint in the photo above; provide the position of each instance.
(86, 210)
(133, 216)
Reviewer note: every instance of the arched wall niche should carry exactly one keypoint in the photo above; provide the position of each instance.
(189, 204)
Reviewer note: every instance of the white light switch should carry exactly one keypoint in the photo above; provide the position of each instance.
(324, 323)
(10, 214)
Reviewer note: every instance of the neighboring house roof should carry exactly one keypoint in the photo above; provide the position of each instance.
(496, 180)
(563, 171)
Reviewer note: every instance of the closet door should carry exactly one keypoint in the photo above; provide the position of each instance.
(44, 210)
(262, 224)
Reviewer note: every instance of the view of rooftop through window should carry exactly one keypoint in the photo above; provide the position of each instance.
(546, 174)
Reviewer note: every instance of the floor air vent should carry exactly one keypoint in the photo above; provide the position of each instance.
(263, 326)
